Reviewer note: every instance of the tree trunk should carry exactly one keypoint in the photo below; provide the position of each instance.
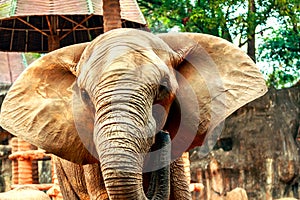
(251, 29)
(111, 15)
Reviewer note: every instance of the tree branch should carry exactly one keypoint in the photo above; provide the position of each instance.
(262, 30)
(242, 44)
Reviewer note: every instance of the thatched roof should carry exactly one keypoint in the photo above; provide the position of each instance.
(28, 25)
(12, 8)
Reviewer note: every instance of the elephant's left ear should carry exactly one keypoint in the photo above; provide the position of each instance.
(215, 79)
(38, 107)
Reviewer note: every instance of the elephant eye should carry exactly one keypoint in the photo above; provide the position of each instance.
(85, 97)
(164, 85)
(84, 94)
(164, 90)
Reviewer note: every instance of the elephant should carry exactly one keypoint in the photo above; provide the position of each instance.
(24, 192)
(105, 101)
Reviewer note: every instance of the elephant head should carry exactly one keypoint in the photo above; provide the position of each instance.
(107, 99)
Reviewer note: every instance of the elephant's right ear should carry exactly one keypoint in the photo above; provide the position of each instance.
(38, 107)
(215, 79)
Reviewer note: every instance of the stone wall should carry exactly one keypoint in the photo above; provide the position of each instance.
(258, 150)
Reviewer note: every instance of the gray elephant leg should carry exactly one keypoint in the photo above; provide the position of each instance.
(93, 175)
(179, 182)
(71, 179)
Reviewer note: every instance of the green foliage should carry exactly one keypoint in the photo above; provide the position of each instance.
(28, 58)
(281, 50)
(189, 16)
(4, 9)
(7, 8)
(236, 20)
(164, 15)
(223, 18)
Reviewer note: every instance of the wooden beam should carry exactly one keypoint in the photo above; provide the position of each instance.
(72, 21)
(30, 25)
(60, 30)
(49, 25)
(12, 35)
(87, 18)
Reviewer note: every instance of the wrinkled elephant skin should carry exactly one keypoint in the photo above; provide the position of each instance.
(106, 100)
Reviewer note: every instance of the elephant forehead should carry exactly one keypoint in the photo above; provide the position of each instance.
(139, 66)
(122, 41)
(117, 54)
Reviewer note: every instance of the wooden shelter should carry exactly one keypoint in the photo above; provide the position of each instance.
(45, 25)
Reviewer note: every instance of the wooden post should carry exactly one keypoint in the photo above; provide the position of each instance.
(53, 37)
(53, 42)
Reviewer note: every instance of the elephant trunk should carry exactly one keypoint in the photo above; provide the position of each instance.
(120, 166)
(124, 132)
